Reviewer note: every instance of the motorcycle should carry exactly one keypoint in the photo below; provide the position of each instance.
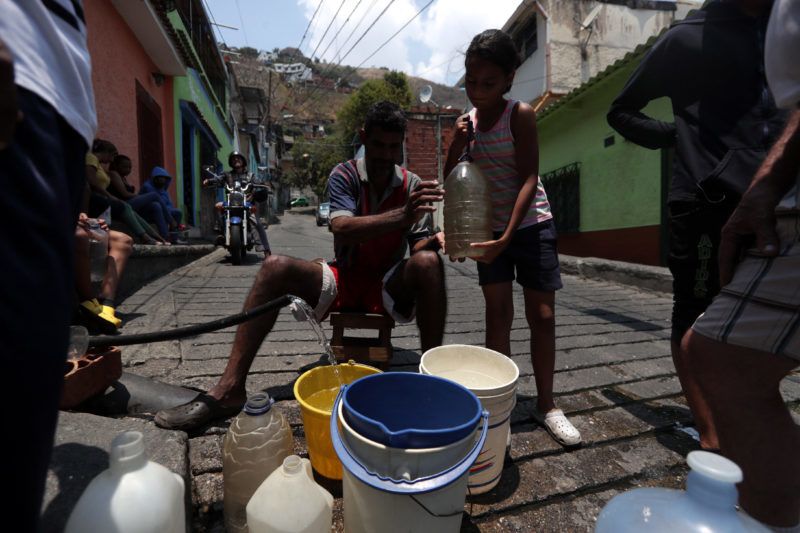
(236, 209)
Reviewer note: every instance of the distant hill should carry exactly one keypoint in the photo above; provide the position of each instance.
(319, 99)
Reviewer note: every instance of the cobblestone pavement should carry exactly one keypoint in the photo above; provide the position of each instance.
(614, 378)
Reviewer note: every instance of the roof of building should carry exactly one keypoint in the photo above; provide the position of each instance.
(634, 55)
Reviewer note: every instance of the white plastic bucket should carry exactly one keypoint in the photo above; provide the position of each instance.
(492, 377)
(394, 490)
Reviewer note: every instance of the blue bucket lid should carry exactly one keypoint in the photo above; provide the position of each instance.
(405, 410)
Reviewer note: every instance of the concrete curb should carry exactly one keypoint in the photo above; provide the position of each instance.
(150, 262)
(651, 278)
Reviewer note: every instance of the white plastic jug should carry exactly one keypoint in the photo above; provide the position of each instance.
(257, 442)
(290, 501)
(707, 506)
(133, 496)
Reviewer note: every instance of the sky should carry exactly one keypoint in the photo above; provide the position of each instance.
(430, 47)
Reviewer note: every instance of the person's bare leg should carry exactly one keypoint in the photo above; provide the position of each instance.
(540, 313)
(499, 316)
(420, 282)
(83, 280)
(755, 427)
(698, 405)
(120, 248)
(279, 275)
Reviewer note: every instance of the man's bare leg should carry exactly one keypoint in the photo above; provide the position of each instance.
(420, 280)
(698, 404)
(755, 428)
(279, 275)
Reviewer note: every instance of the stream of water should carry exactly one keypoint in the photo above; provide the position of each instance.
(311, 318)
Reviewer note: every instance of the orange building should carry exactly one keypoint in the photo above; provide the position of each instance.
(133, 64)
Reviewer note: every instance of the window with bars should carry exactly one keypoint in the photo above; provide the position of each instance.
(563, 191)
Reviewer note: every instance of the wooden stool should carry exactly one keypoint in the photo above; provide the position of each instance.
(373, 351)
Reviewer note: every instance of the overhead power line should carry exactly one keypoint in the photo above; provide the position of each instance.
(309, 23)
(327, 29)
(330, 68)
(333, 39)
(395, 34)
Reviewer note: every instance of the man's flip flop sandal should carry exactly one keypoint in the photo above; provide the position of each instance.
(199, 412)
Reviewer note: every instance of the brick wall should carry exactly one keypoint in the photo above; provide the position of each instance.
(421, 140)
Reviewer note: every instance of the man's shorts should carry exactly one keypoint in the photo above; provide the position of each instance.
(534, 254)
(356, 292)
(760, 307)
(694, 233)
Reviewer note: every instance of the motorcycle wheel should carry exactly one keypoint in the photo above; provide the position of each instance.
(236, 248)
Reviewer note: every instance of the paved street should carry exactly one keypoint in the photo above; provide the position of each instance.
(615, 379)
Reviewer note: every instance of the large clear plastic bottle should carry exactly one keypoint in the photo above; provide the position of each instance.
(133, 496)
(98, 253)
(707, 506)
(257, 442)
(289, 501)
(467, 208)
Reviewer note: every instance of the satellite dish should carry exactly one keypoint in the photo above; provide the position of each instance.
(591, 16)
(425, 93)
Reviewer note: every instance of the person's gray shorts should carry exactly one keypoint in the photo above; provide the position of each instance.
(760, 307)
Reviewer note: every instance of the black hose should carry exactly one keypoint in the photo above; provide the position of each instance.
(102, 341)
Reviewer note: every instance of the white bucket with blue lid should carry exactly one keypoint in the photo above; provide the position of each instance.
(392, 489)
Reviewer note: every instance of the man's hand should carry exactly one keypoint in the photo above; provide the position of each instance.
(9, 112)
(493, 249)
(419, 201)
(754, 218)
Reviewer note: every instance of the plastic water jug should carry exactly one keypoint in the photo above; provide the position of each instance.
(133, 496)
(257, 442)
(467, 207)
(98, 252)
(289, 501)
(707, 506)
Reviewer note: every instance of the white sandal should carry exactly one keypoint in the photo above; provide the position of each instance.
(561, 429)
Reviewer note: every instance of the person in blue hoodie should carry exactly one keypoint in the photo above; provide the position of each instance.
(159, 183)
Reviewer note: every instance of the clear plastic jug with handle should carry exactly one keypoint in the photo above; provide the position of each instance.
(257, 442)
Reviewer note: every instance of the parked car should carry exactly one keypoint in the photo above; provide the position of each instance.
(323, 213)
(300, 201)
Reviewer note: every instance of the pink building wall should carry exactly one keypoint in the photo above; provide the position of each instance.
(118, 62)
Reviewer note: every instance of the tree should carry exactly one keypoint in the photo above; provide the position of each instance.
(393, 87)
(313, 162)
(248, 51)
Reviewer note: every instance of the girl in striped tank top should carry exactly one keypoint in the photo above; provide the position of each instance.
(506, 150)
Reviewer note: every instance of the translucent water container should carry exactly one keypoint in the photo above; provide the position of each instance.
(257, 442)
(708, 505)
(133, 496)
(467, 210)
(290, 501)
(98, 253)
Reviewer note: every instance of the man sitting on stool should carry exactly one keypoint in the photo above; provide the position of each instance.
(379, 211)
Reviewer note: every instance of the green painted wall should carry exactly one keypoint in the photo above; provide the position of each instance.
(620, 186)
(193, 89)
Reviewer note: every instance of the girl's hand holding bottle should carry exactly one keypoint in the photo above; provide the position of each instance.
(493, 248)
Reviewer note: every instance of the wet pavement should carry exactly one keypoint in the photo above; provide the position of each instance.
(614, 379)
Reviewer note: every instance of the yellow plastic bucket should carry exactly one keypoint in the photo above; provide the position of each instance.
(316, 391)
